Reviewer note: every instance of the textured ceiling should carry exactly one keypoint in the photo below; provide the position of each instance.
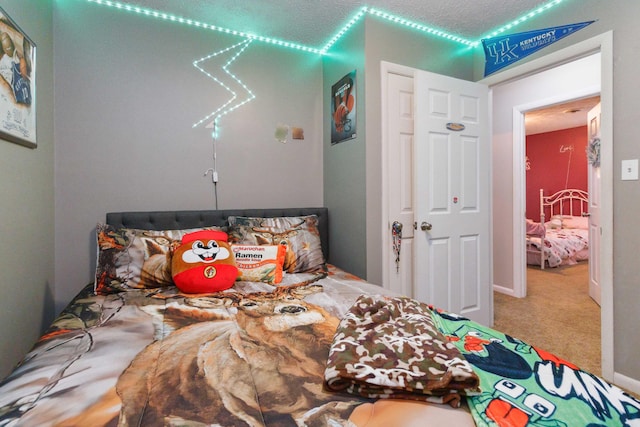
(562, 116)
(314, 22)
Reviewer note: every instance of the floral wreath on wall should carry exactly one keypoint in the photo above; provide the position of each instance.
(593, 152)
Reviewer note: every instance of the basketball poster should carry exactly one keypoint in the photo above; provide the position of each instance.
(343, 109)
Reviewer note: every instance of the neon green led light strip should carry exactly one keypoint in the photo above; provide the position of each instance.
(198, 24)
(325, 49)
(545, 7)
(395, 19)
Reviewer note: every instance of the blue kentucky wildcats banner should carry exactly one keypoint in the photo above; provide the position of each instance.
(504, 50)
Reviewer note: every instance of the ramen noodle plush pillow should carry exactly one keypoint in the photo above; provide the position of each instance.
(260, 263)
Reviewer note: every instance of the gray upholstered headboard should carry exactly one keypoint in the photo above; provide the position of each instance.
(177, 220)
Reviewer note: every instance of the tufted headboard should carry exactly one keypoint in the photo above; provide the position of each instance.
(177, 220)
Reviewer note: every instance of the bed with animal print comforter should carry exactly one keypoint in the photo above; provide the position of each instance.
(321, 348)
(257, 355)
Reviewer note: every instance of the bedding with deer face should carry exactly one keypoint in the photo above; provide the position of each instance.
(257, 355)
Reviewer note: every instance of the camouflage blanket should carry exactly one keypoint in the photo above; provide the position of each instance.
(388, 347)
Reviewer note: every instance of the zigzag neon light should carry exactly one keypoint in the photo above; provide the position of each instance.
(228, 106)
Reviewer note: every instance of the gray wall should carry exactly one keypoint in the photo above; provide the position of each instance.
(127, 96)
(352, 169)
(620, 16)
(26, 211)
(344, 171)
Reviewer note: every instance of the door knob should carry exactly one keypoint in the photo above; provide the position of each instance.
(425, 226)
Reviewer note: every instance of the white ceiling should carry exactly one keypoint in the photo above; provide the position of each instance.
(561, 116)
(313, 23)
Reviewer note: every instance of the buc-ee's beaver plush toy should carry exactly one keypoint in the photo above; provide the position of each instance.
(204, 263)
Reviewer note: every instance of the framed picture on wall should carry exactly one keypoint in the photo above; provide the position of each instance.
(343, 109)
(17, 84)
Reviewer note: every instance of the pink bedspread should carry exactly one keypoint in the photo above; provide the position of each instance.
(562, 247)
(535, 228)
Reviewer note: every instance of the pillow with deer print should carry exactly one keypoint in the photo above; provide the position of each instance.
(299, 234)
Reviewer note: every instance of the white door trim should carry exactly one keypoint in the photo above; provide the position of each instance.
(519, 183)
(604, 44)
(387, 68)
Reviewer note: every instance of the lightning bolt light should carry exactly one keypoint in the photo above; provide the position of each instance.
(230, 105)
(233, 102)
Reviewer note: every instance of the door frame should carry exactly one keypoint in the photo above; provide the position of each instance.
(602, 43)
(387, 68)
(520, 181)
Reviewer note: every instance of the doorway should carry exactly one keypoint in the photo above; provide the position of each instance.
(557, 167)
(509, 216)
(540, 85)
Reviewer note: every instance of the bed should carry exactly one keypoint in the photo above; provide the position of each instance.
(561, 237)
(320, 348)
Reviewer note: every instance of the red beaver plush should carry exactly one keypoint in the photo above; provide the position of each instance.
(204, 263)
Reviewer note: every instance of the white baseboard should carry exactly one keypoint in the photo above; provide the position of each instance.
(626, 382)
(503, 290)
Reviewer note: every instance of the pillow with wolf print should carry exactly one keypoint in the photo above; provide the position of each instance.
(299, 234)
(130, 258)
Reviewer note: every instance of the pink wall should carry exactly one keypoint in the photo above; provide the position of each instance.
(550, 159)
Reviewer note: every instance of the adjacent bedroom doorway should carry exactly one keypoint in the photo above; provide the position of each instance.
(600, 45)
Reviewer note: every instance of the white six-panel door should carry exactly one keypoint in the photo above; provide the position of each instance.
(595, 201)
(452, 151)
(448, 265)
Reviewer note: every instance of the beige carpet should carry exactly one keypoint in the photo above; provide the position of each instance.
(557, 315)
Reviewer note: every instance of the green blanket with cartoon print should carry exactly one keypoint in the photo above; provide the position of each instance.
(525, 386)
